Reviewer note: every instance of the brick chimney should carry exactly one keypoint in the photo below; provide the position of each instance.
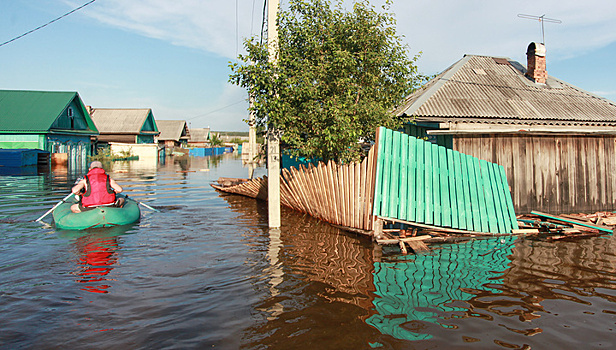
(535, 56)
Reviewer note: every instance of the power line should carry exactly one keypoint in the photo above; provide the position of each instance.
(216, 110)
(48, 23)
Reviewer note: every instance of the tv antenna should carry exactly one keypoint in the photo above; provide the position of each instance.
(541, 19)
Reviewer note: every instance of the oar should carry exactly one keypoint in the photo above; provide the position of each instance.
(147, 206)
(54, 207)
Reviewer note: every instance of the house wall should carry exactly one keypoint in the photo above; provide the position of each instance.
(144, 151)
(556, 174)
(30, 141)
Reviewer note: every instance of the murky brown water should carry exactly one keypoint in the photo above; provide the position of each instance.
(206, 272)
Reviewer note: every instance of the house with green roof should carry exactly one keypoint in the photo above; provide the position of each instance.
(53, 121)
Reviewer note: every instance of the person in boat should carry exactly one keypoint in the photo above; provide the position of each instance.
(96, 189)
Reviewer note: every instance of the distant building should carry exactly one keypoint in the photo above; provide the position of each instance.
(53, 121)
(199, 137)
(173, 133)
(134, 126)
(556, 141)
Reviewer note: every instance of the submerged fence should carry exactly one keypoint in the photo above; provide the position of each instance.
(421, 182)
(404, 179)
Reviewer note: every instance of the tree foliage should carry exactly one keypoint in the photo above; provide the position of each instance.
(337, 77)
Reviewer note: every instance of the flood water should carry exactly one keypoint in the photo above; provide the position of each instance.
(206, 272)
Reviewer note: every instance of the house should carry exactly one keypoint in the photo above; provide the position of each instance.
(557, 142)
(133, 126)
(199, 137)
(52, 121)
(173, 133)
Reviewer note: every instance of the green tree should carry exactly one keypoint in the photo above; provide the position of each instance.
(338, 76)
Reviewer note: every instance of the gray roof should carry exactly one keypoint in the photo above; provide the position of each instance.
(122, 121)
(495, 90)
(172, 130)
(199, 135)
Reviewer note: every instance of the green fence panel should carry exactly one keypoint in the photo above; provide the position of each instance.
(404, 171)
(429, 194)
(489, 197)
(421, 187)
(417, 181)
(411, 212)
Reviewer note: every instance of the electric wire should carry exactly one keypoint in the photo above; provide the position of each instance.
(48, 23)
(216, 110)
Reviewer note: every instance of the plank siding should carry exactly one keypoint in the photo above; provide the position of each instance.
(555, 174)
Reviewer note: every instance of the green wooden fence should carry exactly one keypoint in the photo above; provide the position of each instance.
(421, 182)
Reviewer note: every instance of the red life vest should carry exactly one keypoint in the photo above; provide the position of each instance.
(98, 189)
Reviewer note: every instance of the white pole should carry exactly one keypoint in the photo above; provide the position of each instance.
(273, 141)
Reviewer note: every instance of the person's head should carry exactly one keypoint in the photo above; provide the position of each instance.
(96, 164)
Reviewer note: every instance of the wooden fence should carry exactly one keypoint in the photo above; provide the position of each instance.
(421, 182)
(339, 194)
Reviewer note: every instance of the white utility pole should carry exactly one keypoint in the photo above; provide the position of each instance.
(273, 136)
(252, 142)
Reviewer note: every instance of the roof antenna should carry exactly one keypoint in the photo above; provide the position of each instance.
(541, 19)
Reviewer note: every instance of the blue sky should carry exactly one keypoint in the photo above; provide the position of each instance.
(173, 56)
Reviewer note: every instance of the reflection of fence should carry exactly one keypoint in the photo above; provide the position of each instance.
(421, 182)
(422, 291)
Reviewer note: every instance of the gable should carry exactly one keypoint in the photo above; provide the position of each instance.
(149, 124)
(73, 118)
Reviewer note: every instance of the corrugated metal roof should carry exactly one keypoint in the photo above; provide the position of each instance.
(171, 129)
(485, 88)
(36, 111)
(199, 135)
(120, 121)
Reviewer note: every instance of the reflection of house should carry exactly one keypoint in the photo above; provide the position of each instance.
(199, 137)
(173, 133)
(556, 142)
(47, 120)
(125, 125)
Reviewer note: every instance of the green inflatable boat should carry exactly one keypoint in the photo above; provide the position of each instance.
(97, 217)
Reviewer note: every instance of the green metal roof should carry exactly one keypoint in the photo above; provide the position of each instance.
(36, 111)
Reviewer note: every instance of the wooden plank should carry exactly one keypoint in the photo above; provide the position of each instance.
(363, 189)
(444, 174)
(411, 211)
(571, 221)
(371, 179)
(394, 175)
(420, 183)
(462, 199)
(407, 239)
(385, 158)
(436, 185)
(379, 163)
(327, 211)
(453, 203)
(502, 214)
(357, 194)
(403, 187)
(428, 195)
(509, 200)
(334, 195)
(483, 213)
(486, 183)
(474, 195)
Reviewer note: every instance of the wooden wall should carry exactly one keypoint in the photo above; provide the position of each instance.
(555, 174)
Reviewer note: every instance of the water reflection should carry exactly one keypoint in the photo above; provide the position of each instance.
(96, 255)
(418, 290)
